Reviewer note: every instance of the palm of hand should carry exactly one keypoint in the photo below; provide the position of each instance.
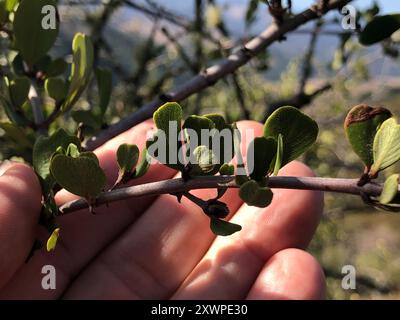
(156, 248)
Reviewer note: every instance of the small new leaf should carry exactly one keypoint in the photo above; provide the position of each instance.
(390, 189)
(386, 148)
(223, 228)
(82, 64)
(227, 170)
(279, 154)
(255, 195)
(72, 151)
(46, 146)
(204, 162)
(52, 241)
(127, 157)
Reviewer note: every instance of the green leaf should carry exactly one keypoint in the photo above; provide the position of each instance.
(380, 28)
(91, 155)
(10, 4)
(104, 83)
(223, 228)
(52, 241)
(218, 120)
(19, 90)
(227, 170)
(46, 146)
(193, 127)
(127, 157)
(361, 125)
(221, 125)
(14, 116)
(56, 88)
(390, 189)
(279, 154)
(197, 124)
(255, 195)
(56, 68)
(169, 112)
(72, 151)
(16, 134)
(18, 65)
(386, 147)
(82, 51)
(31, 39)
(81, 176)
(298, 131)
(260, 153)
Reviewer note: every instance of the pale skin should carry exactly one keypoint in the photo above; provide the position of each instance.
(156, 248)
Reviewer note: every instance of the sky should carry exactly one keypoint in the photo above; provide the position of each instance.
(185, 6)
(386, 5)
(235, 9)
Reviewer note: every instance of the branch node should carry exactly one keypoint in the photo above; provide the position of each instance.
(166, 97)
(247, 52)
(209, 82)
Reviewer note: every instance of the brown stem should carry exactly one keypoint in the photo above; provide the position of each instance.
(174, 186)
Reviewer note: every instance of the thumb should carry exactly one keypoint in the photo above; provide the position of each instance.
(20, 203)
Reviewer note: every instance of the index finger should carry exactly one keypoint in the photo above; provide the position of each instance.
(20, 202)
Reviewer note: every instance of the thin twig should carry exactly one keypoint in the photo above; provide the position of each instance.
(307, 63)
(173, 186)
(240, 97)
(212, 74)
(177, 20)
(37, 109)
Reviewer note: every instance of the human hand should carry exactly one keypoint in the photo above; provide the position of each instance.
(156, 248)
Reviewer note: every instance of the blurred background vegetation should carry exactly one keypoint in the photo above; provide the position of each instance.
(152, 46)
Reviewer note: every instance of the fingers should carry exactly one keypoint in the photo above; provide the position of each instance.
(232, 264)
(20, 202)
(289, 274)
(153, 257)
(83, 234)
